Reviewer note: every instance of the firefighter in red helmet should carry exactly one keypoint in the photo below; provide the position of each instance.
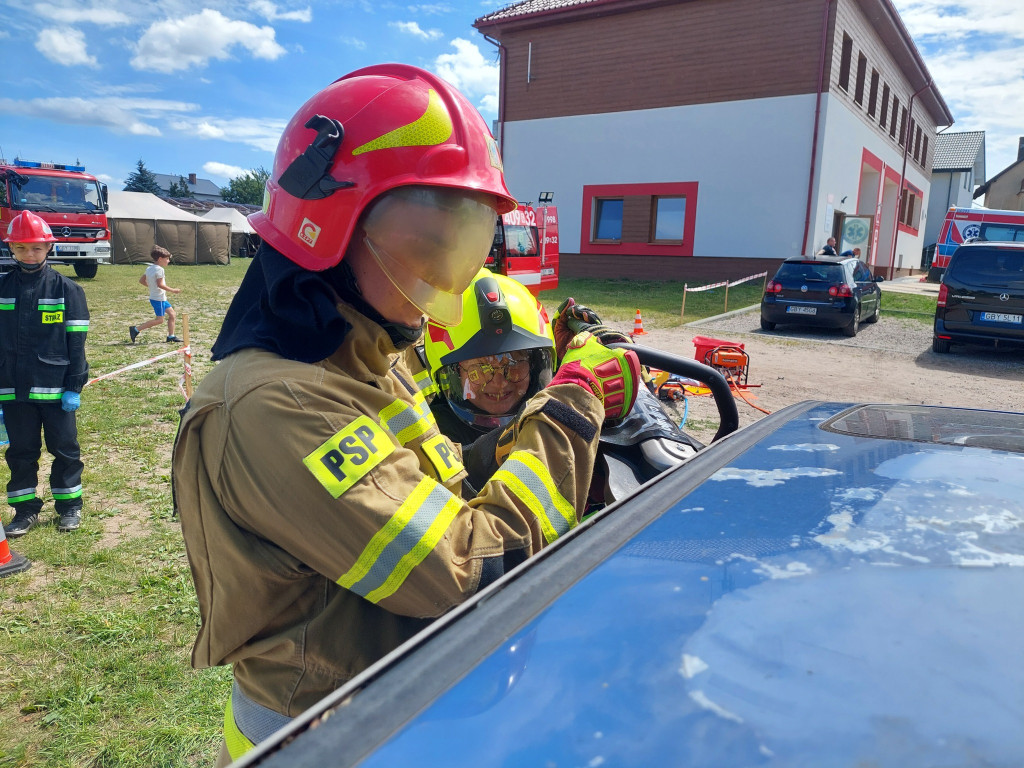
(319, 503)
(43, 324)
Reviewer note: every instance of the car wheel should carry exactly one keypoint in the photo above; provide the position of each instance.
(767, 326)
(941, 346)
(854, 326)
(876, 313)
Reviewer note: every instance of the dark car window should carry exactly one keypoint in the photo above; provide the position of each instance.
(1002, 232)
(831, 273)
(988, 266)
(861, 273)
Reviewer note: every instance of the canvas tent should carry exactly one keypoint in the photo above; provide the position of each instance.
(138, 220)
(243, 236)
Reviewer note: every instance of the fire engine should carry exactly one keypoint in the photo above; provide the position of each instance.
(525, 247)
(962, 224)
(70, 200)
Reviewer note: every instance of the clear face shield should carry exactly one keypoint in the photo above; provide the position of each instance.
(430, 242)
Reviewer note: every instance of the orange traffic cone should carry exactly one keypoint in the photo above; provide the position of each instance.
(638, 325)
(10, 562)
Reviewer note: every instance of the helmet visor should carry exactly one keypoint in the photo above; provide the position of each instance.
(430, 242)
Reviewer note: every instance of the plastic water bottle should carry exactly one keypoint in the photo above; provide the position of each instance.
(3, 430)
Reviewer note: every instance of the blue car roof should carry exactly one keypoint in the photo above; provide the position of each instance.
(835, 585)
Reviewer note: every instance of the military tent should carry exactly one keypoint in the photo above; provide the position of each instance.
(244, 239)
(138, 220)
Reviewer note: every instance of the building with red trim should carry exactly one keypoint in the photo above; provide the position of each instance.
(712, 138)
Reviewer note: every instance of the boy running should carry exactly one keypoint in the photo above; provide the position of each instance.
(154, 278)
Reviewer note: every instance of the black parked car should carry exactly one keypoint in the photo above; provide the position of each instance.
(825, 291)
(981, 299)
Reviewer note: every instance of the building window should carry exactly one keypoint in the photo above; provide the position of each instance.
(873, 93)
(668, 219)
(885, 106)
(895, 114)
(917, 144)
(924, 151)
(607, 220)
(903, 126)
(862, 67)
(910, 208)
(844, 63)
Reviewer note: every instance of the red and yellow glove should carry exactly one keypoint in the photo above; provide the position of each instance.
(611, 374)
(572, 318)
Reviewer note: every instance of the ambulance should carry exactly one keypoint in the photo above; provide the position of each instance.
(963, 224)
(525, 247)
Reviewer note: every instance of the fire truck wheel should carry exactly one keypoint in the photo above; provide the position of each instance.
(85, 268)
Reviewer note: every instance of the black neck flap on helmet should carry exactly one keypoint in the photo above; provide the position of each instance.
(307, 178)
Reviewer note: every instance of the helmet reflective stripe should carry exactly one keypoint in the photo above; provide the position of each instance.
(529, 480)
(404, 542)
(431, 128)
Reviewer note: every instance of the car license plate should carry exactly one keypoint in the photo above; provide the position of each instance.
(802, 310)
(1000, 317)
(547, 271)
(66, 248)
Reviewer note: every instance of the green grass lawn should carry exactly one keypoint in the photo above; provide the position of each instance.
(96, 636)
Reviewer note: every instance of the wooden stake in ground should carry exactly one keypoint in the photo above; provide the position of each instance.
(682, 310)
(187, 356)
(726, 307)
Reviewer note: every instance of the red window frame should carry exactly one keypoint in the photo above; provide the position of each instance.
(687, 189)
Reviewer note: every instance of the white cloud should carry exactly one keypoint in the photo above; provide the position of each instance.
(471, 73)
(105, 17)
(354, 42)
(66, 46)
(223, 170)
(414, 29)
(254, 132)
(175, 44)
(269, 11)
(120, 115)
(430, 9)
(956, 19)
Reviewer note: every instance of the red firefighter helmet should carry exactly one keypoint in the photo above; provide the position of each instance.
(27, 227)
(371, 131)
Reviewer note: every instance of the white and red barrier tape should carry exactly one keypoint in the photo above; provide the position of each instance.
(140, 364)
(745, 279)
(723, 284)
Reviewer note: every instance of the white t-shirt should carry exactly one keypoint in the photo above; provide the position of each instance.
(154, 274)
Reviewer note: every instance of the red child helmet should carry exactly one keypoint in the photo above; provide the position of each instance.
(371, 131)
(27, 227)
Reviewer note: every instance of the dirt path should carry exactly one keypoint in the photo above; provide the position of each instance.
(889, 362)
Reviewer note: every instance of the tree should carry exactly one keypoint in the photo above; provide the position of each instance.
(179, 188)
(247, 188)
(142, 180)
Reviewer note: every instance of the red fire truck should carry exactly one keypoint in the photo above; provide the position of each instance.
(70, 200)
(526, 247)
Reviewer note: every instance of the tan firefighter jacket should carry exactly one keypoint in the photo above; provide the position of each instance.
(321, 512)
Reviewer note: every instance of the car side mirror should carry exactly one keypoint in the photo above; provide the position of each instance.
(879, 278)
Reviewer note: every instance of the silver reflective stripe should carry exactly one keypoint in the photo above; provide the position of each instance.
(402, 544)
(22, 492)
(7, 391)
(255, 721)
(47, 390)
(76, 489)
(77, 322)
(552, 511)
(7, 301)
(51, 301)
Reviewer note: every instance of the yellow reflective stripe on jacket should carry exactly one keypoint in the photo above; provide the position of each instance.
(424, 383)
(407, 422)
(236, 741)
(526, 477)
(404, 542)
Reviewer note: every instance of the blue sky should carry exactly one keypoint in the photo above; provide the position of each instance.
(205, 87)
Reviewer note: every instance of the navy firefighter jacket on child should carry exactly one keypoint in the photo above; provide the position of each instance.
(43, 323)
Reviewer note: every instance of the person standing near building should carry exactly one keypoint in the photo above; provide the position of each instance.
(319, 503)
(153, 278)
(44, 319)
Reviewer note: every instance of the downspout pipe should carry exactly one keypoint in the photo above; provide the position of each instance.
(502, 77)
(817, 123)
(903, 174)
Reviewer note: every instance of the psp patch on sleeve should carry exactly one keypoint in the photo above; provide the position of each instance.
(349, 455)
(443, 457)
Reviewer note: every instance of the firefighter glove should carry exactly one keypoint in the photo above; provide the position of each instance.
(572, 318)
(70, 401)
(611, 374)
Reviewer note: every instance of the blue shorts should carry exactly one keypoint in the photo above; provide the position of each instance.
(160, 306)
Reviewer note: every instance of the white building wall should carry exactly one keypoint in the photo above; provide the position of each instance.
(843, 139)
(948, 188)
(750, 159)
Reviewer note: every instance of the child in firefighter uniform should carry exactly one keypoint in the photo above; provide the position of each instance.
(43, 325)
(319, 503)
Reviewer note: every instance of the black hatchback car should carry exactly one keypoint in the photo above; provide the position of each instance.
(981, 298)
(824, 291)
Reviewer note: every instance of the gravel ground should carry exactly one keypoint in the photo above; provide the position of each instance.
(890, 361)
